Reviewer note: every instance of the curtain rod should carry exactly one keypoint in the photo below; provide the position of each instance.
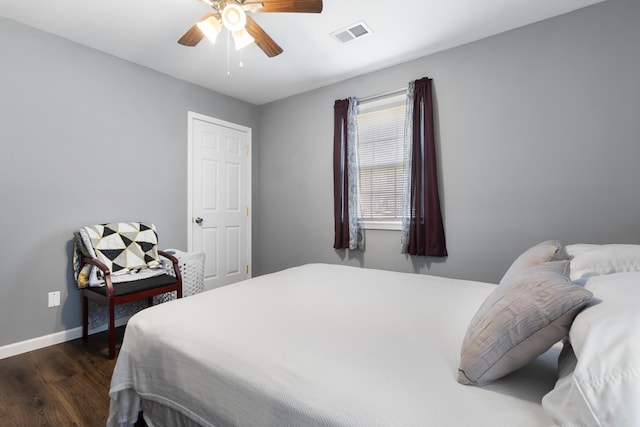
(382, 95)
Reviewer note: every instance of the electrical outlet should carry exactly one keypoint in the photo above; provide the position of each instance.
(54, 299)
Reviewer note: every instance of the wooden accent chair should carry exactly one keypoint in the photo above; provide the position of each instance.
(124, 292)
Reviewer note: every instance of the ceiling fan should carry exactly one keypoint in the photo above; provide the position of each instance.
(232, 15)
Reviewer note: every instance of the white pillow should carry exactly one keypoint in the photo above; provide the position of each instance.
(594, 260)
(604, 387)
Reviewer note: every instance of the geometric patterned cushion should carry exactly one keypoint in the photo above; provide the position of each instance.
(125, 246)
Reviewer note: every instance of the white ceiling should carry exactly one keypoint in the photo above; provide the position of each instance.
(146, 32)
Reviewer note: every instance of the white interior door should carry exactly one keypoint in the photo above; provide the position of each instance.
(220, 198)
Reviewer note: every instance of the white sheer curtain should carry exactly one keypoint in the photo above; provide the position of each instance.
(356, 235)
(408, 134)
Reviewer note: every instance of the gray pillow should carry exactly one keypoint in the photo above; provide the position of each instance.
(542, 252)
(521, 319)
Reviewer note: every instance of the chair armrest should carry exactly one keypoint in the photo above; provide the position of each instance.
(95, 261)
(168, 256)
(174, 261)
(105, 270)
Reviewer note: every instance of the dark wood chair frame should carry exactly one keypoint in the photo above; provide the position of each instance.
(112, 299)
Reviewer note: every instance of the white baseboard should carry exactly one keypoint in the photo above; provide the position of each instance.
(52, 339)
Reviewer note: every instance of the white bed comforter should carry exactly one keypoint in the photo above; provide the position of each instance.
(320, 345)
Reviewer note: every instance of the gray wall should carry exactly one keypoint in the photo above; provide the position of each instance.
(538, 138)
(64, 110)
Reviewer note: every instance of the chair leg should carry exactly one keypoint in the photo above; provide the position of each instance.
(112, 330)
(85, 318)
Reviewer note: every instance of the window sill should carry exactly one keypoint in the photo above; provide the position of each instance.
(381, 225)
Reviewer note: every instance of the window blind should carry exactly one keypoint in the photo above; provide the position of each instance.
(380, 155)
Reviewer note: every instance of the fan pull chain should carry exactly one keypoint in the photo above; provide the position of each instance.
(228, 60)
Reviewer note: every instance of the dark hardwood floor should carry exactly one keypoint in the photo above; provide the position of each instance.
(62, 385)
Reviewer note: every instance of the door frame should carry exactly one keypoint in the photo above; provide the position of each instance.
(191, 117)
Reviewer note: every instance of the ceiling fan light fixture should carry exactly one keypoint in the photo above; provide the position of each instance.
(234, 18)
(210, 27)
(242, 38)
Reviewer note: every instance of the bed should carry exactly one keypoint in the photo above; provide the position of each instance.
(329, 345)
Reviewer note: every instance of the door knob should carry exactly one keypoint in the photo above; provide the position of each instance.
(198, 220)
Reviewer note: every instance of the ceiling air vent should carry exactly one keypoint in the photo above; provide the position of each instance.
(352, 32)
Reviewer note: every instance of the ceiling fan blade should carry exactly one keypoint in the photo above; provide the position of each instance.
(263, 40)
(193, 36)
(298, 6)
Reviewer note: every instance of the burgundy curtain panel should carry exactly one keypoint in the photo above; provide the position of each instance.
(426, 232)
(340, 176)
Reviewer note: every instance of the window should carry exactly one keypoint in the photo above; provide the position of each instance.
(381, 152)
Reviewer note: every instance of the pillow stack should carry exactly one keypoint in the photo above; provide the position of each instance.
(529, 311)
(599, 368)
